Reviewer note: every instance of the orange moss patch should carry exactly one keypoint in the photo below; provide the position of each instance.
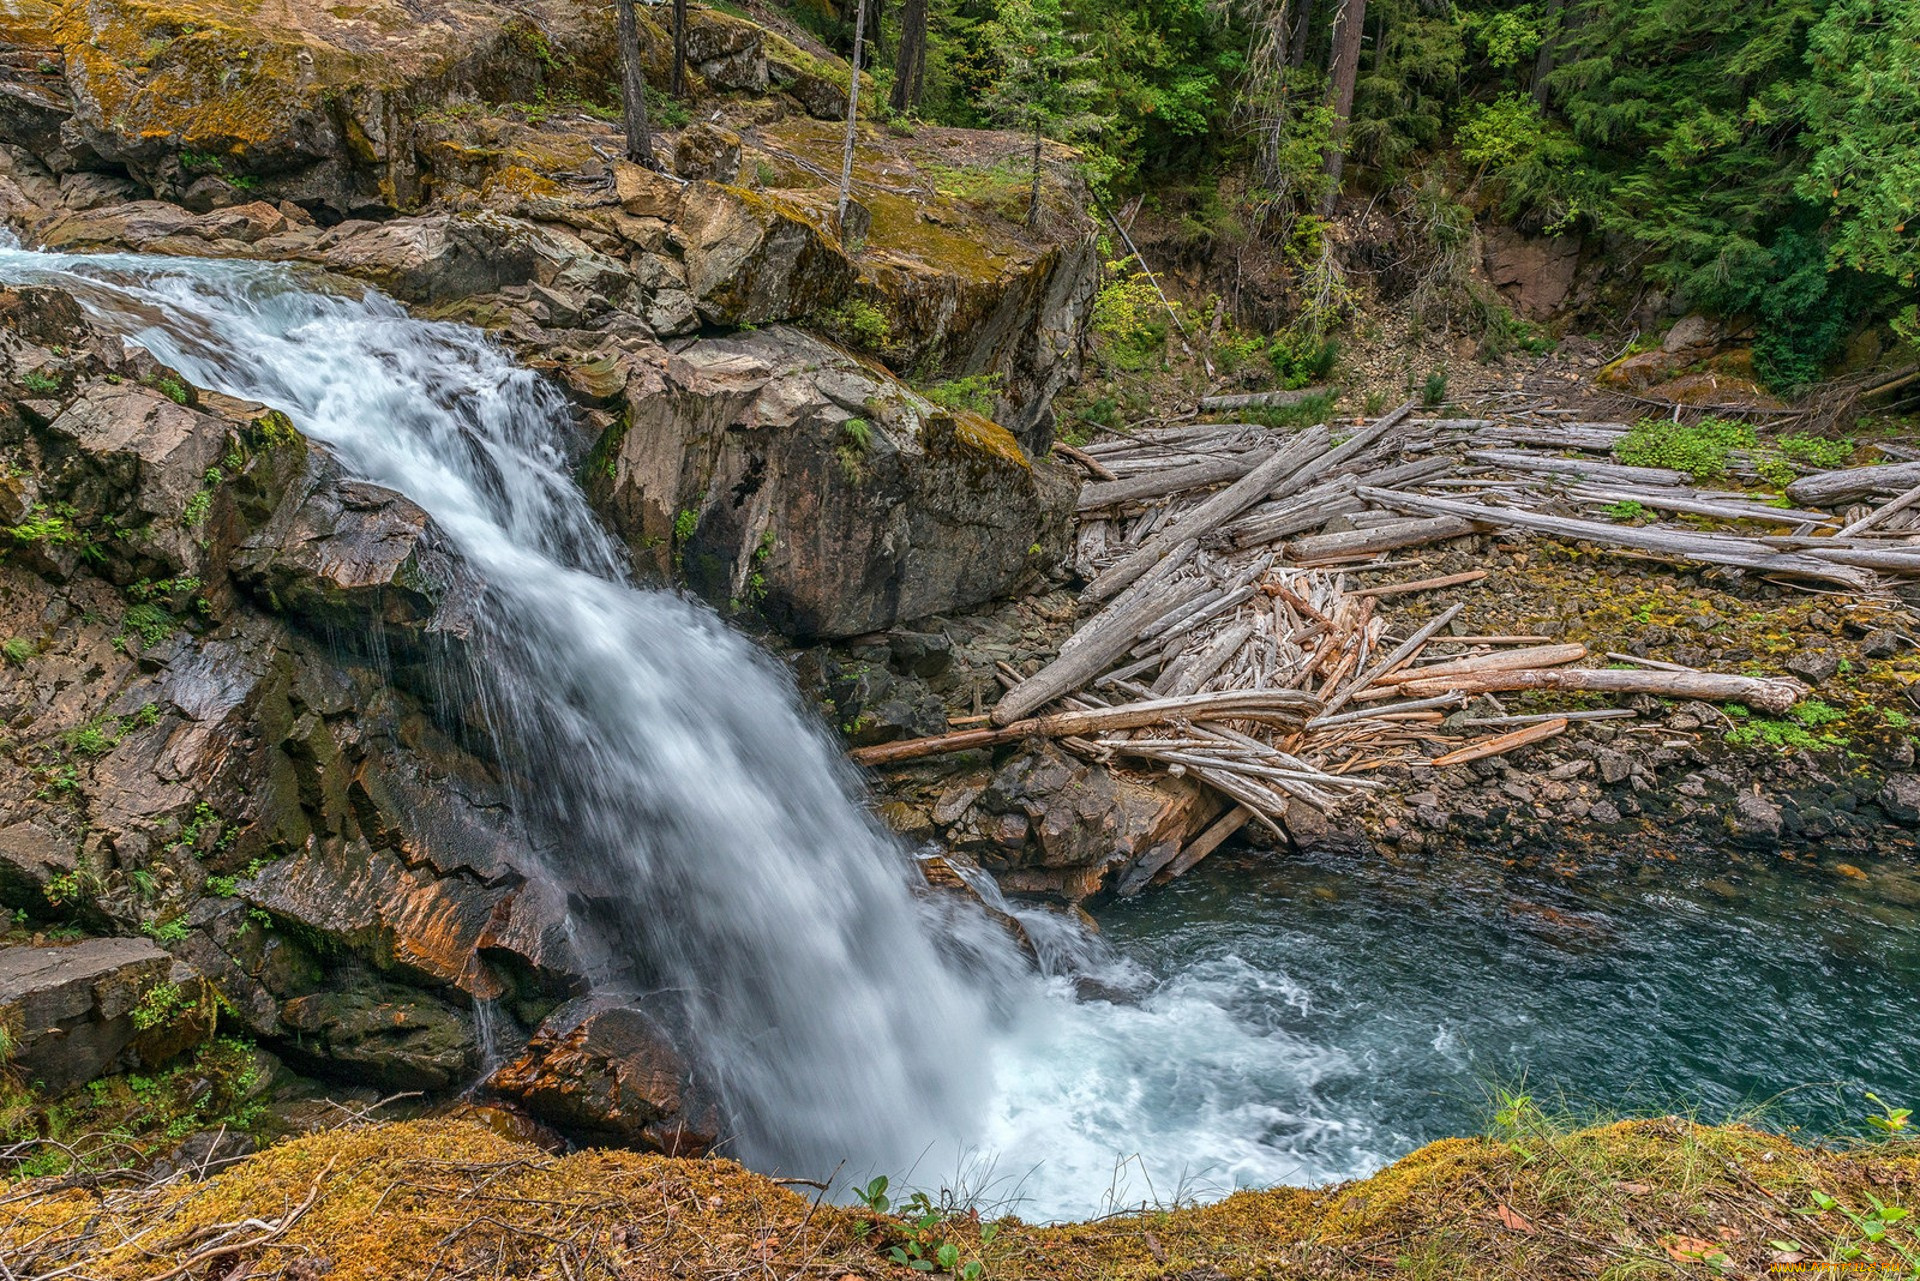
(458, 1200)
(976, 431)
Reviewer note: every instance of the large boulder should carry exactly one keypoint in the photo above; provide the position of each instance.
(608, 1072)
(750, 259)
(68, 1012)
(217, 104)
(781, 473)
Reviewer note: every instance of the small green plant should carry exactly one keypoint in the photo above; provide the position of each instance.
(1626, 509)
(165, 932)
(39, 382)
(1302, 359)
(975, 392)
(1434, 394)
(17, 650)
(1813, 713)
(53, 528)
(857, 323)
(1889, 1120)
(1894, 718)
(149, 622)
(1701, 449)
(856, 439)
(173, 389)
(160, 1004)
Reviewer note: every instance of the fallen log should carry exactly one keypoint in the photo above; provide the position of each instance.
(1261, 399)
(1094, 647)
(1271, 706)
(1501, 744)
(1547, 465)
(1094, 466)
(1378, 538)
(1837, 488)
(1709, 549)
(1764, 693)
(1881, 513)
(1423, 585)
(1204, 844)
(1498, 661)
(1170, 480)
(1214, 512)
(1386, 666)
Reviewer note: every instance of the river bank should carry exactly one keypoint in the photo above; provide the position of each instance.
(1540, 1201)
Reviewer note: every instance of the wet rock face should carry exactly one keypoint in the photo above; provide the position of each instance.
(786, 476)
(209, 647)
(610, 1072)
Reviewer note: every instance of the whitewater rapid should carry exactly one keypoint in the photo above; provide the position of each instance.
(845, 1022)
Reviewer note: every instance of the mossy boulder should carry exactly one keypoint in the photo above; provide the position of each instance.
(751, 258)
(783, 475)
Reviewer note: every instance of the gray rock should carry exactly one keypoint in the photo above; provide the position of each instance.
(1900, 798)
(69, 1010)
(1604, 813)
(1754, 819)
(1814, 665)
(1614, 767)
(1881, 642)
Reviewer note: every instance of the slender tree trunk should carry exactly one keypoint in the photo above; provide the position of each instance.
(633, 89)
(1549, 43)
(910, 57)
(1033, 197)
(679, 48)
(853, 119)
(1349, 24)
(1297, 54)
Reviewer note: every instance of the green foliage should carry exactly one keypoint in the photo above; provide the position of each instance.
(160, 1005)
(1434, 393)
(166, 932)
(148, 621)
(17, 650)
(857, 323)
(1499, 134)
(684, 525)
(1130, 323)
(1700, 449)
(975, 392)
(1041, 87)
(1303, 359)
(39, 382)
(1626, 509)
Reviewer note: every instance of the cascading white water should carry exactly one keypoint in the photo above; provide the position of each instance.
(677, 777)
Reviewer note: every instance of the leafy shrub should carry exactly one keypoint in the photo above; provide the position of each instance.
(1701, 449)
(1301, 360)
(1130, 320)
(858, 324)
(974, 392)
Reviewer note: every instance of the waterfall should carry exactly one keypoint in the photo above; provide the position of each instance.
(666, 758)
(676, 779)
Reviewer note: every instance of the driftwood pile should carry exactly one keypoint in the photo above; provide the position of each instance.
(1240, 627)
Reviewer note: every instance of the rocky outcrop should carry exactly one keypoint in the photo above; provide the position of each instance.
(608, 1072)
(197, 751)
(781, 473)
(68, 1013)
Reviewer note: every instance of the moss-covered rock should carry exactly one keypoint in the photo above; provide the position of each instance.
(783, 475)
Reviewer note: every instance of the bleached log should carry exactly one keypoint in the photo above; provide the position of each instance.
(1711, 549)
(1261, 399)
(1546, 464)
(1880, 514)
(1694, 505)
(1835, 488)
(1423, 585)
(1416, 705)
(1765, 693)
(1498, 661)
(1170, 480)
(1380, 538)
(1401, 653)
(1214, 512)
(1208, 662)
(1098, 642)
(1275, 706)
(1207, 842)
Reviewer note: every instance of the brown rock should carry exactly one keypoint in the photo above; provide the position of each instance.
(609, 1073)
(68, 1011)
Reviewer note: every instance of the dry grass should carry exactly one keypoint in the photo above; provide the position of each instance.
(439, 1199)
